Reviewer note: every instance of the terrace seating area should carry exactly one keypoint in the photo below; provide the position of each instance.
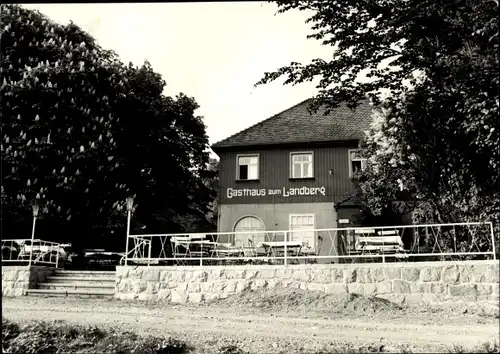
(208, 251)
(371, 242)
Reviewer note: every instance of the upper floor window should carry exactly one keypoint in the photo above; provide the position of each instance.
(356, 162)
(302, 165)
(248, 167)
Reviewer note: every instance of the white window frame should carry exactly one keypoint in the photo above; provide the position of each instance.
(314, 240)
(362, 159)
(238, 177)
(295, 153)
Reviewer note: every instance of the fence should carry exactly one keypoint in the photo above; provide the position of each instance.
(31, 252)
(407, 243)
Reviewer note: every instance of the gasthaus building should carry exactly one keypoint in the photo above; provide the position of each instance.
(291, 172)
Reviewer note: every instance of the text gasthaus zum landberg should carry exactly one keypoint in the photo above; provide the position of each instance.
(248, 192)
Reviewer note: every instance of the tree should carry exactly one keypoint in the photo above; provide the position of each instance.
(432, 72)
(81, 131)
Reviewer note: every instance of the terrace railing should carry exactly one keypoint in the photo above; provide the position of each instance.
(403, 243)
(30, 252)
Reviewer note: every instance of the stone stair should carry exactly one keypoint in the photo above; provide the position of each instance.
(73, 283)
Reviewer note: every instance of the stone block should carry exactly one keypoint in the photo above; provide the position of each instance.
(182, 286)
(384, 287)
(124, 286)
(219, 286)
(495, 288)
(193, 287)
(251, 274)
(370, 289)
(450, 274)
(392, 272)
(122, 272)
(207, 287)
(429, 274)
(127, 297)
(484, 289)
(215, 275)
(413, 299)
(267, 273)
(464, 290)
(465, 273)
(336, 288)
(146, 297)
(195, 298)
(151, 274)
(165, 276)
(164, 294)
(300, 274)
(242, 285)
(258, 284)
(235, 274)
(337, 275)
(416, 287)
(231, 286)
(434, 288)
(491, 275)
(292, 284)
(411, 274)
(431, 299)
(349, 275)
(209, 297)
(10, 275)
(316, 287)
(364, 275)
(179, 276)
(139, 286)
(356, 288)
(135, 272)
(273, 283)
(322, 276)
(7, 284)
(376, 275)
(284, 273)
(401, 286)
(178, 297)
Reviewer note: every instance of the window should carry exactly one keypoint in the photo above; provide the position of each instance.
(302, 230)
(248, 167)
(246, 231)
(302, 165)
(356, 162)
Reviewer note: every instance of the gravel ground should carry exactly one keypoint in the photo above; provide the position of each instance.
(274, 322)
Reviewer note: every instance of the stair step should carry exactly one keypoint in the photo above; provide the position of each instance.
(73, 293)
(62, 286)
(83, 279)
(85, 273)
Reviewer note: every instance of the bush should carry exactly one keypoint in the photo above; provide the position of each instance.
(44, 337)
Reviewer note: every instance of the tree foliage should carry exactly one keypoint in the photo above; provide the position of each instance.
(432, 72)
(82, 131)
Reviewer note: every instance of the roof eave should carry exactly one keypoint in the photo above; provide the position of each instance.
(217, 148)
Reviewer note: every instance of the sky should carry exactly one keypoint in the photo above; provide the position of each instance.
(214, 52)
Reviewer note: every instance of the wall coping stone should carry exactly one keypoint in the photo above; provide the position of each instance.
(315, 266)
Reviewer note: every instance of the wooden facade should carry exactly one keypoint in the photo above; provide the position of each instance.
(330, 181)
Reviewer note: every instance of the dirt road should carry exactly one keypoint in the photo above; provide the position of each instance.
(260, 330)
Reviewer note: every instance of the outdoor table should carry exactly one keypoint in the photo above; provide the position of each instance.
(273, 248)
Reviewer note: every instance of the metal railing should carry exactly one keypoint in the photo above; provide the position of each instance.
(31, 252)
(408, 243)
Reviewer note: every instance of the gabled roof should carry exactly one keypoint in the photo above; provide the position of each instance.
(297, 125)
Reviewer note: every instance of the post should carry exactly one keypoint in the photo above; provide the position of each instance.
(493, 241)
(35, 214)
(128, 234)
(57, 256)
(286, 249)
(149, 251)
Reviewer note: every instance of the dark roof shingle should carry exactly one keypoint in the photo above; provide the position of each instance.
(297, 125)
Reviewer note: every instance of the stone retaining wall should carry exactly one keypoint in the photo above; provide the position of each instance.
(428, 282)
(17, 279)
